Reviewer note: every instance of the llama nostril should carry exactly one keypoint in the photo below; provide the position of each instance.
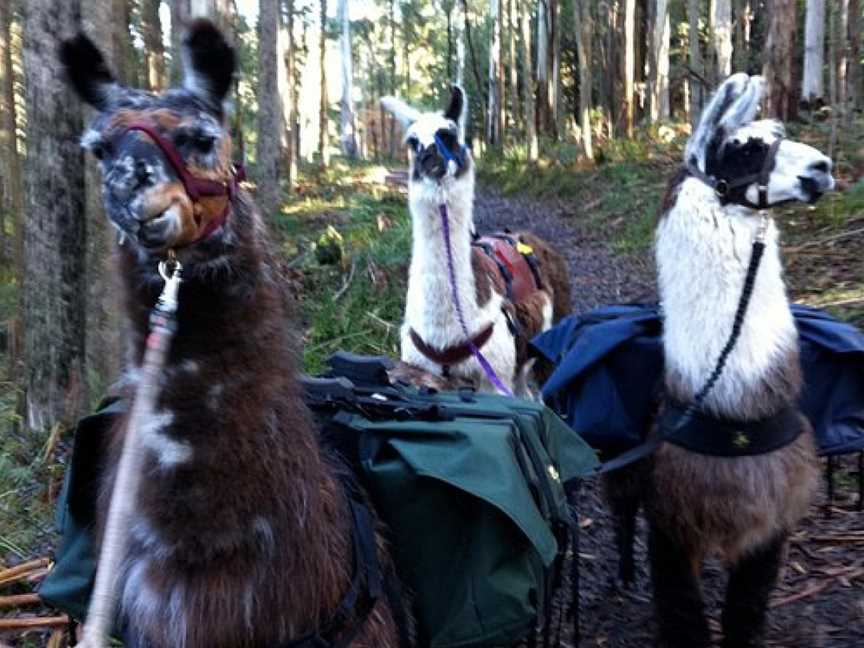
(823, 166)
(143, 172)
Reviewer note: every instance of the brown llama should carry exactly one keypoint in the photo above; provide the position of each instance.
(243, 533)
(737, 468)
(512, 286)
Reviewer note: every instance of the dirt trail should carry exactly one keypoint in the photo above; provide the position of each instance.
(819, 602)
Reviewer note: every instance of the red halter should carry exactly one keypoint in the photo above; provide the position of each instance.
(196, 188)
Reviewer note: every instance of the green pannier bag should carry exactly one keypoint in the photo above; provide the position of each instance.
(471, 487)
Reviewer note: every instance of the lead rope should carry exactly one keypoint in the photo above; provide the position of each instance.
(115, 540)
(454, 293)
(743, 303)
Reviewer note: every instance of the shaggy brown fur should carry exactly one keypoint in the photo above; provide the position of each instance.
(254, 530)
(527, 314)
(242, 532)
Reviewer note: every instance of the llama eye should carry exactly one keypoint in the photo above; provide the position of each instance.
(203, 143)
(98, 151)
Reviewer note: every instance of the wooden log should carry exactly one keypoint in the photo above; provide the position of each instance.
(19, 601)
(32, 623)
(22, 571)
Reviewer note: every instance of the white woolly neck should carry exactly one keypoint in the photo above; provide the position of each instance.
(428, 277)
(703, 250)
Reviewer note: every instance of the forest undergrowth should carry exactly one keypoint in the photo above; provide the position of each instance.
(344, 240)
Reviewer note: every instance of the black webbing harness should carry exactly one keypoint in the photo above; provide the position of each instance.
(723, 186)
(690, 426)
(368, 583)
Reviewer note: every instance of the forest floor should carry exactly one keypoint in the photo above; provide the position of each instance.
(819, 602)
(345, 240)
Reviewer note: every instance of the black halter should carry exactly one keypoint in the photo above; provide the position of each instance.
(722, 186)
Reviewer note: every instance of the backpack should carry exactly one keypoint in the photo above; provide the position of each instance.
(472, 488)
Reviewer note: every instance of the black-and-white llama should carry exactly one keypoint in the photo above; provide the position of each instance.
(741, 508)
(442, 171)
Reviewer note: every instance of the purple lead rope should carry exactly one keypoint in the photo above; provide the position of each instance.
(484, 363)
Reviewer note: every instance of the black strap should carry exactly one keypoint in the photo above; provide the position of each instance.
(722, 437)
(723, 186)
(367, 586)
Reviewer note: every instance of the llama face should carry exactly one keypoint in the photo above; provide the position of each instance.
(144, 195)
(433, 139)
(729, 145)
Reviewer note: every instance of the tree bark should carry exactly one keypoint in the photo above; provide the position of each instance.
(842, 22)
(512, 28)
(779, 56)
(270, 118)
(181, 11)
(697, 89)
(392, 132)
(584, 31)
(659, 80)
(53, 283)
(555, 72)
(813, 90)
(346, 104)
(323, 150)
(493, 129)
(293, 150)
(10, 177)
(723, 38)
(103, 336)
(542, 107)
(530, 87)
(853, 77)
(154, 52)
(630, 63)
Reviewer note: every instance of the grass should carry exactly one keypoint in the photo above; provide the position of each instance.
(350, 235)
(620, 191)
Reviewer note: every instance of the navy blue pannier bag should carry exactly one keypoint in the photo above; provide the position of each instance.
(609, 373)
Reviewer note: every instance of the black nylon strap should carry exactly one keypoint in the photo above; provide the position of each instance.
(721, 437)
(722, 186)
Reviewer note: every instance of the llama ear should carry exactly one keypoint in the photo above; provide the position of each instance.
(400, 110)
(714, 117)
(457, 108)
(87, 71)
(208, 63)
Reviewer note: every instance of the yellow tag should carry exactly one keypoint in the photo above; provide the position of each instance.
(521, 248)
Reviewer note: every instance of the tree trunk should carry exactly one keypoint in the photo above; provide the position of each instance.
(346, 104)
(530, 86)
(630, 63)
(512, 28)
(555, 71)
(842, 22)
(499, 73)
(779, 56)
(448, 12)
(697, 89)
(323, 151)
(813, 90)
(853, 79)
(293, 150)
(493, 130)
(54, 290)
(103, 341)
(10, 177)
(392, 132)
(584, 31)
(723, 38)
(542, 66)
(154, 52)
(270, 118)
(659, 79)
(181, 11)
